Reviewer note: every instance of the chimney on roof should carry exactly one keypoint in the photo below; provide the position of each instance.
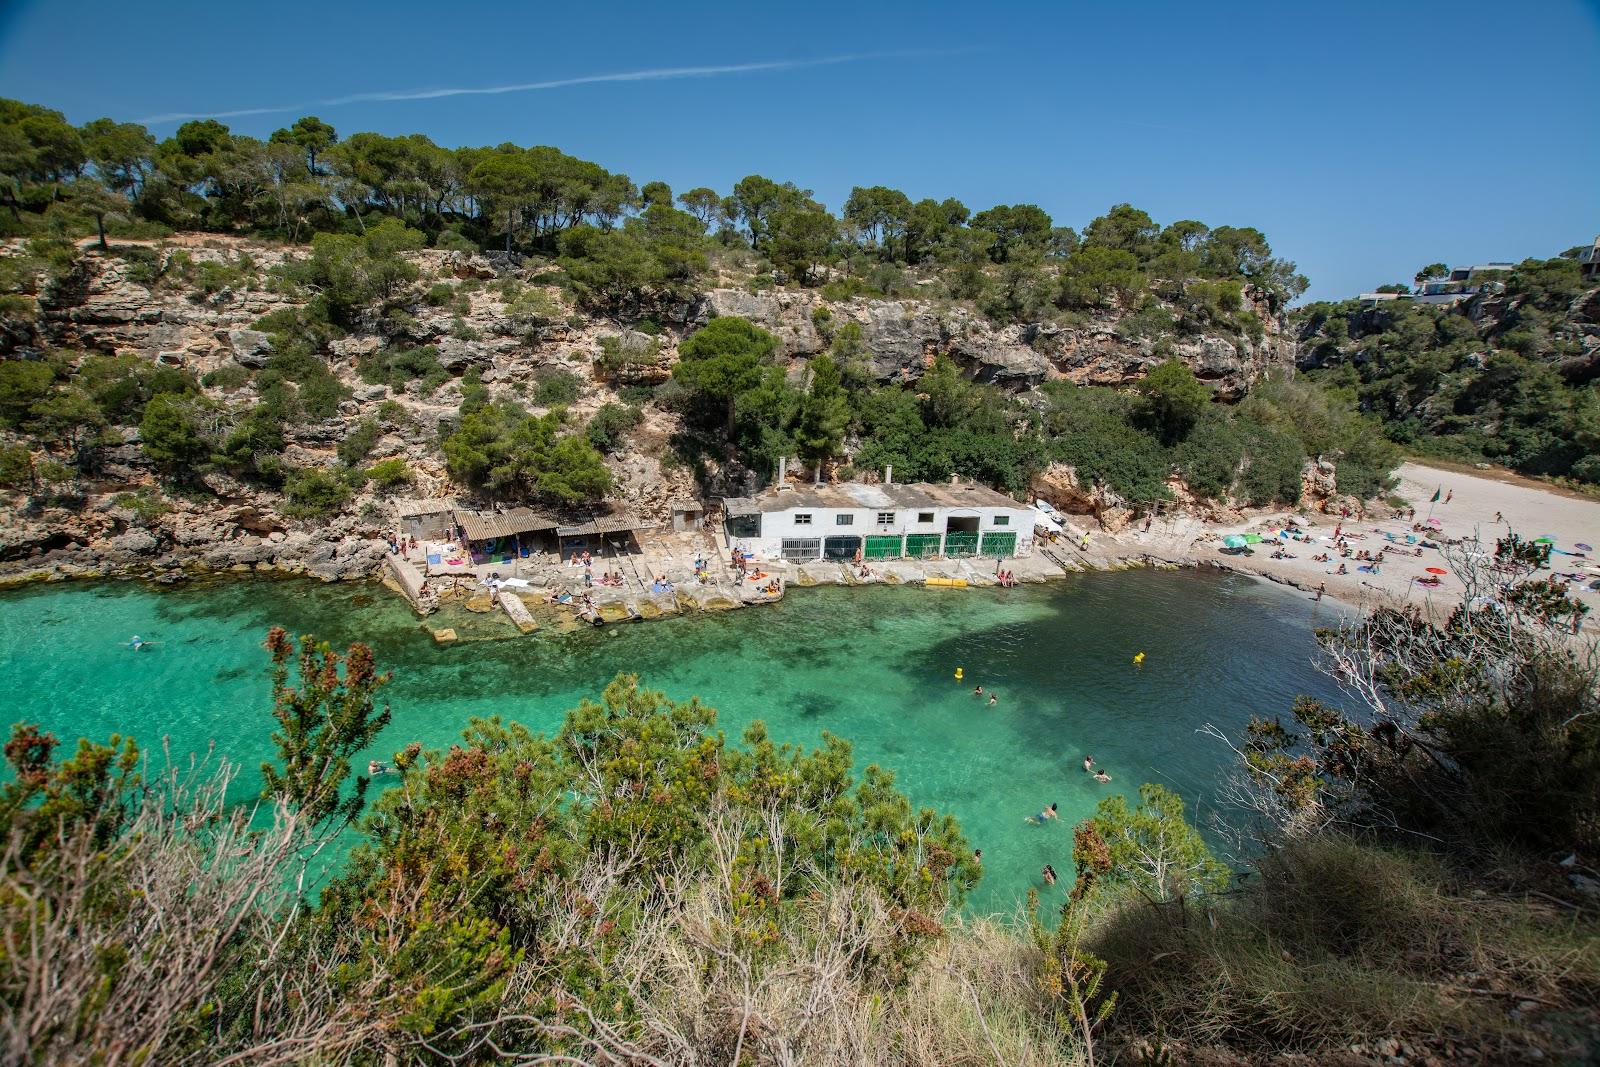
(888, 474)
(783, 470)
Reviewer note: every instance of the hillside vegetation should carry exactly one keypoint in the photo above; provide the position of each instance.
(1508, 375)
(306, 325)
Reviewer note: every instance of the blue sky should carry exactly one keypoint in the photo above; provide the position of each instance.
(1364, 139)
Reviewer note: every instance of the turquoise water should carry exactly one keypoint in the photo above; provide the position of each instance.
(874, 666)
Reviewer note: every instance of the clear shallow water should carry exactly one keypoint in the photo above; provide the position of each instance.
(874, 666)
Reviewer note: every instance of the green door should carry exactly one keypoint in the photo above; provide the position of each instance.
(999, 544)
(882, 548)
(920, 546)
(961, 544)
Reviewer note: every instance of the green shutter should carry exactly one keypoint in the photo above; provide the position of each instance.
(999, 544)
(961, 544)
(919, 546)
(883, 548)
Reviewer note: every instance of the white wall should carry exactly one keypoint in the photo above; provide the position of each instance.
(778, 525)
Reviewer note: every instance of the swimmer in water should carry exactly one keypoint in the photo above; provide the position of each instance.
(1044, 816)
(1101, 776)
(1049, 873)
(993, 699)
(978, 692)
(1088, 764)
(137, 642)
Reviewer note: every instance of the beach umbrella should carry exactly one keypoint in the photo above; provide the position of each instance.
(1437, 570)
(1583, 547)
(1546, 540)
(1233, 541)
(1435, 522)
(1252, 539)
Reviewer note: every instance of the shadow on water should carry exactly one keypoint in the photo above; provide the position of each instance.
(874, 666)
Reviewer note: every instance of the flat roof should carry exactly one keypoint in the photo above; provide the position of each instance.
(852, 495)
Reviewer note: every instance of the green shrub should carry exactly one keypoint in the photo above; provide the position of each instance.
(169, 437)
(320, 395)
(313, 493)
(358, 442)
(23, 383)
(146, 504)
(16, 466)
(626, 355)
(516, 455)
(389, 473)
(228, 377)
(455, 241)
(1093, 431)
(557, 387)
(395, 367)
(610, 424)
(848, 288)
(474, 394)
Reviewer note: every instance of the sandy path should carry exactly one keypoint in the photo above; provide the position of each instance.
(1471, 511)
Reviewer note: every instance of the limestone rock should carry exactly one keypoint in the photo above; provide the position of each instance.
(456, 355)
(135, 542)
(785, 315)
(355, 347)
(250, 348)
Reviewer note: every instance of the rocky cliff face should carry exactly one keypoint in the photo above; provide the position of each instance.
(903, 336)
(105, 308)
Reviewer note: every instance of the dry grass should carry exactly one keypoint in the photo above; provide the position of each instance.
(827, 987)
(1335, 944)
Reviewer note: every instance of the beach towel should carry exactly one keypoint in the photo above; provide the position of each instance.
(434, 559)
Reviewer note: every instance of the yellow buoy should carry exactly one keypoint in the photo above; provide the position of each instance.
(1138, 659)
(959, 674)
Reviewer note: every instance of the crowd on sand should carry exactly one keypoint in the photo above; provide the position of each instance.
(1403, 553)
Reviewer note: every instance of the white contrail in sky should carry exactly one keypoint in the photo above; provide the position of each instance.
(658, 74)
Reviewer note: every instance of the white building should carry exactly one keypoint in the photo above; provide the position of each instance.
(889, 521)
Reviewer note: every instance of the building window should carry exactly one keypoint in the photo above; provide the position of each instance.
(885, 518)
(924, 516)
(844, 520)
(1002, 520)
(803, 519)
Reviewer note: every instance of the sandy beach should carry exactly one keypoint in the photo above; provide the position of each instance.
(1468, 507)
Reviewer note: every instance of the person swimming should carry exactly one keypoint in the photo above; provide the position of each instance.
(1049, 874)
(978, 692)
(1044, 816)
(136, 643)
(993, 699)
(1088, 764)
(1101, 776)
